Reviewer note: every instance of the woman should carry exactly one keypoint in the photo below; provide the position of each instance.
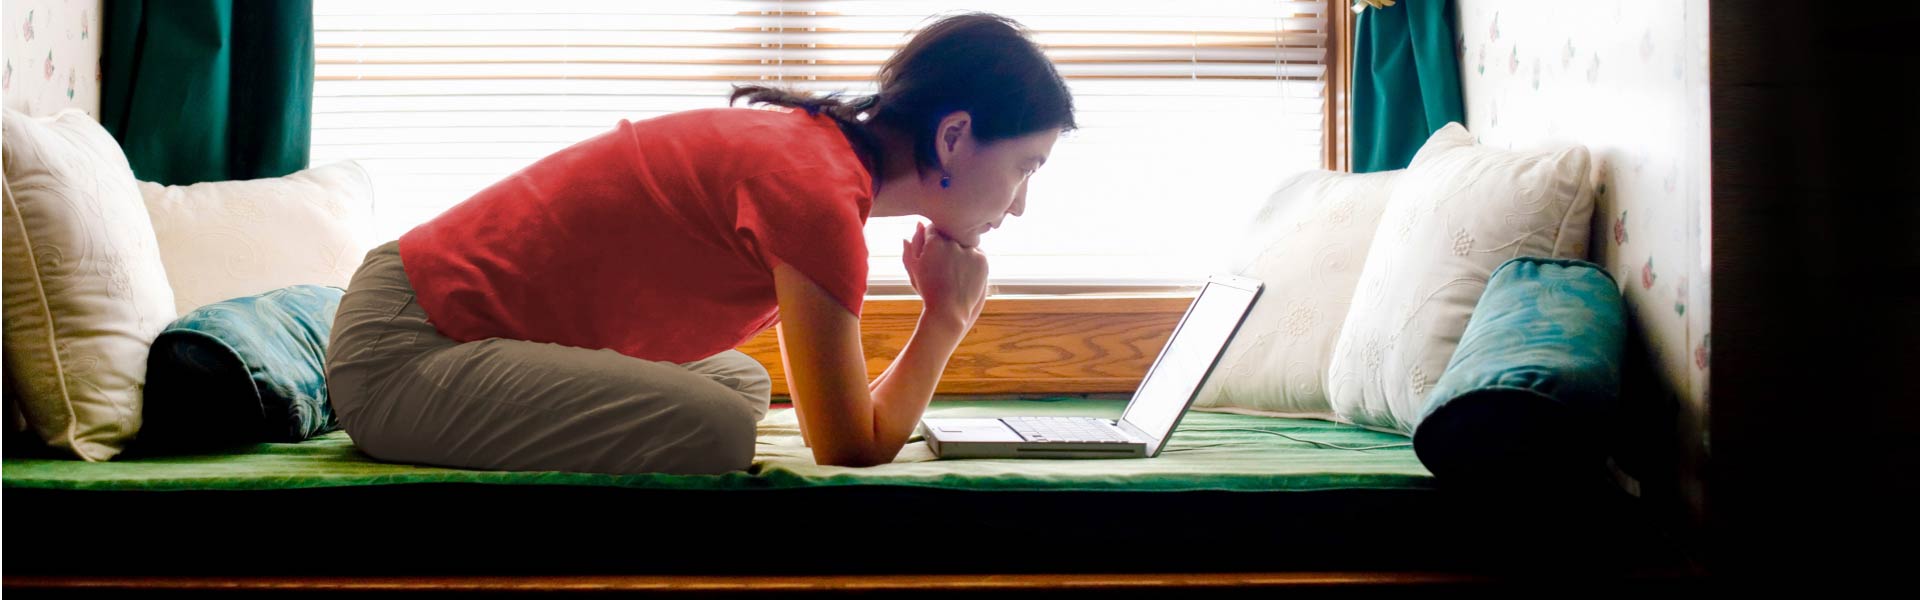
(580, 315)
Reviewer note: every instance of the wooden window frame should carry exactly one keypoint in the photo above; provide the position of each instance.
(1337, 133)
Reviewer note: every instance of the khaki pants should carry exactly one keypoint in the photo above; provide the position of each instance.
(407, 394)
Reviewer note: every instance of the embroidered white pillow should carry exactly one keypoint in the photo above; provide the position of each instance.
(1307, 245)
(227, 239)
(84, 289)
(1455, 214)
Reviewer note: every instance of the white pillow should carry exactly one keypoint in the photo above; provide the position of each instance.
(84, 289)
(227, 239)
(1307, 244)
(1457, 212)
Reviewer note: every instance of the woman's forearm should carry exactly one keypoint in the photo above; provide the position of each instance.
(902, 392)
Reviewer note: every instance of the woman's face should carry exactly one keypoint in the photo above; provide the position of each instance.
(987, 182)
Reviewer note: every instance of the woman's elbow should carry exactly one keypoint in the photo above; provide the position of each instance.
(855, 459)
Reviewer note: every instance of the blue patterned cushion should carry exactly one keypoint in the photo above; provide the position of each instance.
(1536, 375)
(245, 370)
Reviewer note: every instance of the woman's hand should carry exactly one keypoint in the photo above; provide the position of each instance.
(951, 279)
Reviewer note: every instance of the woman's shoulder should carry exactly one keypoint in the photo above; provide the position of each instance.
(759, 140)
(740, 124)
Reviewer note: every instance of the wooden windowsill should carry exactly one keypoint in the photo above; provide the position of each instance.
(1023, 344)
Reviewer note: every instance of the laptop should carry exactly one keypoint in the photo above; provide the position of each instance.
(1157, 405)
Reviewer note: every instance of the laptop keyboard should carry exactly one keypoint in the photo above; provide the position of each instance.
(1065, 429)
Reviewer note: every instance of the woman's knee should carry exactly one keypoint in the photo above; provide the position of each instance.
(741, 373)
(723, 435)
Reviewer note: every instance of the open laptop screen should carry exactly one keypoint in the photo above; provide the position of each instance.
(1189, 354)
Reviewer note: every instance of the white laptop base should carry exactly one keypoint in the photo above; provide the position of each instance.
(1156, 408)
(997, 438)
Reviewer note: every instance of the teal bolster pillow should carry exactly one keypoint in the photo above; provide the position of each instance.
(1535, 376)
(246, 370)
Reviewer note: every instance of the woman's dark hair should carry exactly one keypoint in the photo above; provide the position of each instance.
(976, 62)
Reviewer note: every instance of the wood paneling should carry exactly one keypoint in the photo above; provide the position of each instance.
(1815, 313)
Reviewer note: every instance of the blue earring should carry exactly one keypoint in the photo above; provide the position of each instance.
(946, 181)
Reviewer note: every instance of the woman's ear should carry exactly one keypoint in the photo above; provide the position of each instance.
(955, 134)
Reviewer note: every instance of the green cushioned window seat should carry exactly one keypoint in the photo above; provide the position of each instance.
(1212, 501)
(1193, 461)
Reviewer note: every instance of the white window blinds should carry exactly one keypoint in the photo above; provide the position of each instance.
(1190, 111)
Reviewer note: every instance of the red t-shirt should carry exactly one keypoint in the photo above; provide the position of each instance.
(656, 239)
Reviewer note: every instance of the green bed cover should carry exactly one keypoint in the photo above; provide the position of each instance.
(1193, 461)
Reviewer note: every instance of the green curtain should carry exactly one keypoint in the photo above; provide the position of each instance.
(209, 90)
(1406, 81)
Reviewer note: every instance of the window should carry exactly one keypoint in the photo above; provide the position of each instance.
(1190, 111)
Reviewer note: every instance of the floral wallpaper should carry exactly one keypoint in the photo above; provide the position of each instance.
(51, 54)
(1629, 80)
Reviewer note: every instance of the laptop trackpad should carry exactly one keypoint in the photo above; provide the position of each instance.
(971, 430)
